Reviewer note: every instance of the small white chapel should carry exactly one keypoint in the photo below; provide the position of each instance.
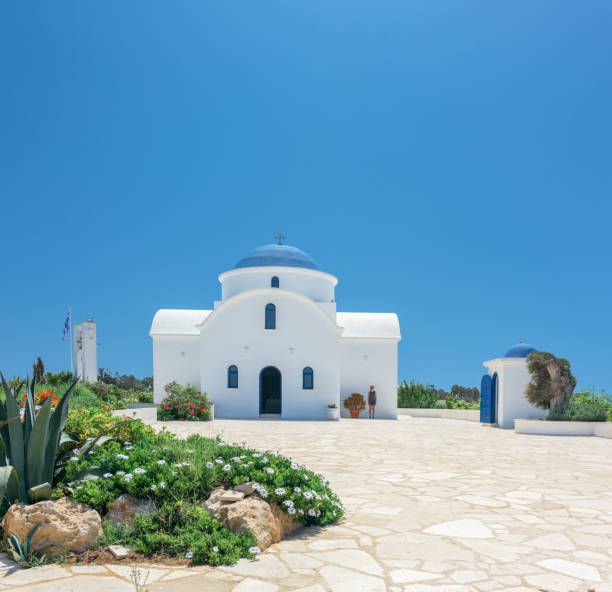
(275, 344)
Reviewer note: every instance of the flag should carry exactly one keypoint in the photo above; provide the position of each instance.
(66, 327)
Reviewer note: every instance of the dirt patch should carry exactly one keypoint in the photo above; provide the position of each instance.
(101, 557)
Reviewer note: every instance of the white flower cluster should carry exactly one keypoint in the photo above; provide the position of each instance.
(122, 456)
(261, 490)
(139, 471)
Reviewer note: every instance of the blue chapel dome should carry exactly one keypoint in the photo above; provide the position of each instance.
(520, 350)
(277, 256)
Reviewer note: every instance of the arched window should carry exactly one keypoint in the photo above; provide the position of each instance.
(307, 378)
(274, 282)
(232, 377)
(270, 316)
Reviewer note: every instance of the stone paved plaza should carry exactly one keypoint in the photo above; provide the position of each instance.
(432, 505)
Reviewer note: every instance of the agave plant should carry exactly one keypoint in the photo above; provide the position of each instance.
(23, 552)
(28, 447)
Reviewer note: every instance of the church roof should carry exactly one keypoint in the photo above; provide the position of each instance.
(369, 325)
(277, 256)
(520, 350)
(177, 322)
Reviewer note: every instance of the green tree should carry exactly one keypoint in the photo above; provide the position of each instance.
(38, 370)
(552, 382)
(465, 393)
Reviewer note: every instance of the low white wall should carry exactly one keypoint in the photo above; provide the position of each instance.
(603, 430)
(146, 414)
(563, 428)
(464, 414)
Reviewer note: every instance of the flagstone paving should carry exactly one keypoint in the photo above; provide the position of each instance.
(432, 505)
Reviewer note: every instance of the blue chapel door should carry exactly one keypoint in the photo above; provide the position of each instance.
(487, 399)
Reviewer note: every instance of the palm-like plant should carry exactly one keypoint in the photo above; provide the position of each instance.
(28, 447)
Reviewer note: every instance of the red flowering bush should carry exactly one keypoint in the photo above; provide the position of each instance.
(184, 403)
(41, 397)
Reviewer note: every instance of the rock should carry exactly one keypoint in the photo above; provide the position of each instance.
(231, 496)
(246, 488)
(64, 525)
(125, 508)
(118, 552)
(267, 522)
(287, 524)
(213, 503)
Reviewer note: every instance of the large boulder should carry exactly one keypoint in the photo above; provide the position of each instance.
(268, 523)
(126, 507)
(64, 525)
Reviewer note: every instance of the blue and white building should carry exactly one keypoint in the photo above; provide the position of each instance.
(502, 389)
(275, 343)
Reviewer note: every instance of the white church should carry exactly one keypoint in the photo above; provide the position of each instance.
(275, 345)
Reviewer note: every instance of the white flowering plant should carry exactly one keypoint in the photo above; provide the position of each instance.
(168, 470)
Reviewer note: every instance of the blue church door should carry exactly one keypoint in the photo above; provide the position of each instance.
(488, 396)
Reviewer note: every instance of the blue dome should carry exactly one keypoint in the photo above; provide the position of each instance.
(277, 256)
(520, 350)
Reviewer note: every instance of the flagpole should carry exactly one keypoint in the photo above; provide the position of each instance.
(70, 327)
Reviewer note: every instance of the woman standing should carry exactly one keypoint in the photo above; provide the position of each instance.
(372, 401)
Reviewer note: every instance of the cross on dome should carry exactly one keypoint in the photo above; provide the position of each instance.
(280, 238)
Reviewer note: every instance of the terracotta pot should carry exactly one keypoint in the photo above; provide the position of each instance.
(354, 413)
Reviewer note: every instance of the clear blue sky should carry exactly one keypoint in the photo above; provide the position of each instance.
(449, 161)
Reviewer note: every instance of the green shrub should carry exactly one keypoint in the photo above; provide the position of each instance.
(145, 396)
(455, 403)
(63, 378)
(181, 529)
(167, 469)
(184, 403)
(416, 394)
(586, 405)
(82, 424)
(82, 397)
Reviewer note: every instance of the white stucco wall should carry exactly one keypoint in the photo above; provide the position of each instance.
(513, 377)
(304, 336)
(86, 351)
(316, 285)
(78, 357)
(175, 357)
(379, 369)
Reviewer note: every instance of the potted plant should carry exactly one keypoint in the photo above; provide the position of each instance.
(355, 403)
(333, 412)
